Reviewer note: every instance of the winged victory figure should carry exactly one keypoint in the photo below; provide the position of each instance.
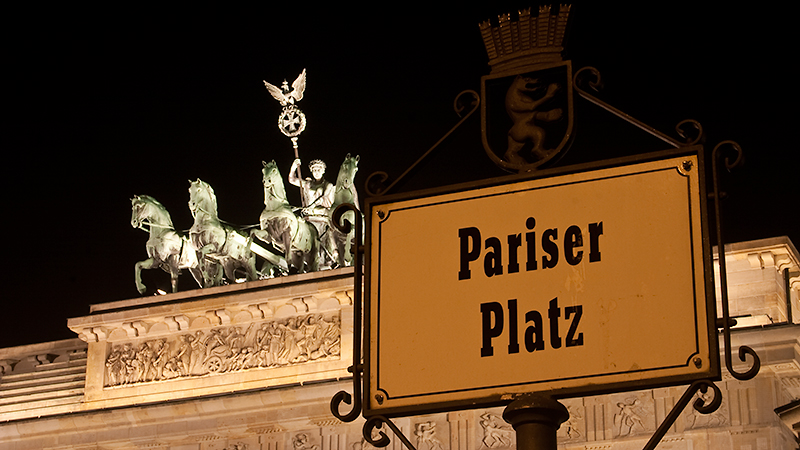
(283, 95)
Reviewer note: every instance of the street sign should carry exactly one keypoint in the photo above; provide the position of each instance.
(570, 284)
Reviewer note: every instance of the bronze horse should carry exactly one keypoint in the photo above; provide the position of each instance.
(166, 248)
(217, 241)
(282, 228)
(341, 244)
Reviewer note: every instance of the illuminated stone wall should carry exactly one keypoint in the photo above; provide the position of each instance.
(62, 396)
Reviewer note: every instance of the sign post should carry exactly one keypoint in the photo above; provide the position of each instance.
(567, 284)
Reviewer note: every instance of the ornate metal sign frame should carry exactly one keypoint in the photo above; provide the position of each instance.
(703, 363)
(502, 44)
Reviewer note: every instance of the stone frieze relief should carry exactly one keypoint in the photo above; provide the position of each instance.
(279, 343)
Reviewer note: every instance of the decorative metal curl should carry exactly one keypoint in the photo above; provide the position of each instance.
(699, 405)
(357, 368)
(734, 158)
(696, 130)
(582, 78)
(375, 423)
(375, 183)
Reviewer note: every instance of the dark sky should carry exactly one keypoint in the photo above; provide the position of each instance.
(105, 104)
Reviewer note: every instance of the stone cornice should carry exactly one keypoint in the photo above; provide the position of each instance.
(778, 252)
(234, 304)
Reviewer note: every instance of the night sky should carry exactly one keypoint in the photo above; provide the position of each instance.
(110, 103)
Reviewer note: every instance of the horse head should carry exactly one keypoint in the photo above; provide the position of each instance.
(147, 209)
(347, 172)
(273, 183)
(202, 198)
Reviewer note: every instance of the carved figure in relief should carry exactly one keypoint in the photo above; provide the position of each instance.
(184, 354)
(296, 237)
(331, 337)
(291, 335)
(337, 244)
(524, 100)
(198, 349)
(300, 442)
(363, 444)
(292, 340)
(114, 367)
(571, 428)
(496, 432)
(627, 418)
(161, 355)
(128, 356)
(426, 436)
(697, 419)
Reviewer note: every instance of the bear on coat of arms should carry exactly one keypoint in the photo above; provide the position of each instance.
(523, 101)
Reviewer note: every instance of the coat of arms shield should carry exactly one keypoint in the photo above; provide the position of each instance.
(526, 101)
(526, 115)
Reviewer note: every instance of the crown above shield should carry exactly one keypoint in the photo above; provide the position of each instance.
(526, 39)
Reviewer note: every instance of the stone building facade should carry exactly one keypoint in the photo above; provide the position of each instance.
(254, 366)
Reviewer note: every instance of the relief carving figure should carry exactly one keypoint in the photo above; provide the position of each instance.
(114, 367)
(331, 337)
(198, 348)
(300, 442)
(426, 436)
(524, 99)
(627, 418)
(496, 432)
(363, 444)
(571, 428)
(697, 419)
(289, 341)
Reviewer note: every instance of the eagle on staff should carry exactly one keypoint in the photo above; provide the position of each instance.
(292, 121)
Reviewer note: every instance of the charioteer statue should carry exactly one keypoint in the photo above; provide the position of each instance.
(316, 193)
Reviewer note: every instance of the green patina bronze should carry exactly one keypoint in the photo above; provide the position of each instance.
(166, 248)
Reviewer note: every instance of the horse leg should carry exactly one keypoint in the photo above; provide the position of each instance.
(230, 271)
(174, 280)
(288, 254)
(312, 256)
(212, 275)
(250, 266)
(146, 264)
(341, 250)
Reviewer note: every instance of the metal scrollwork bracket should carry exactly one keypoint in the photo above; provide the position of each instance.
(465, 104)
(357, 369)
(689, 130)
(699, 405)
(375, 423)
(733, 159)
